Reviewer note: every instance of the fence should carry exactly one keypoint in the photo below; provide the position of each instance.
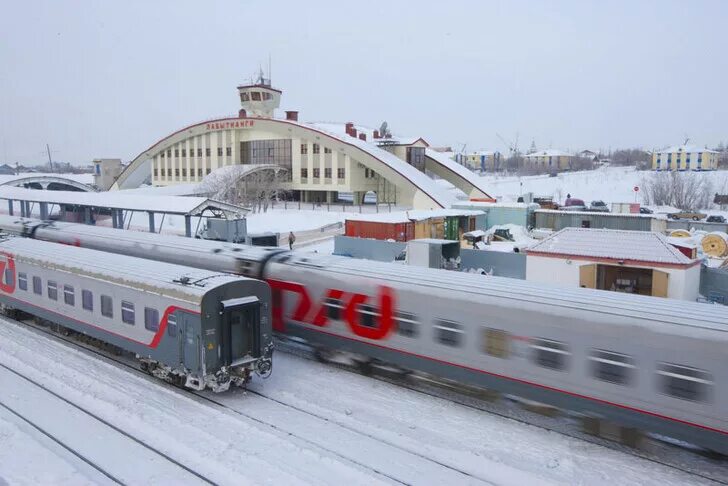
(698, 225)
(338, 207)
(497, 263)
(383, 251)
(714, 284)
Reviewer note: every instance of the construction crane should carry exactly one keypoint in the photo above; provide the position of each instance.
(512, 146)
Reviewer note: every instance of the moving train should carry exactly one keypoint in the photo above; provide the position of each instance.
(643, 362)
(192, 327)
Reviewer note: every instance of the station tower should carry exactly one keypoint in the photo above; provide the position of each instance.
(259, 98)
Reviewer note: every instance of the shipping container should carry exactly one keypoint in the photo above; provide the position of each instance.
(396, 231)
(558, 220)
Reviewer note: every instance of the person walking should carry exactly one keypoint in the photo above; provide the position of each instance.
(291, 240)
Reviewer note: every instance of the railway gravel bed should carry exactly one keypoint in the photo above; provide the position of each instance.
(221, 446)
(482, 447)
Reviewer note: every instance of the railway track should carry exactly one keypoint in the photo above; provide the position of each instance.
(512, 409)
(698, 466)
(415, 460)
(93, 419)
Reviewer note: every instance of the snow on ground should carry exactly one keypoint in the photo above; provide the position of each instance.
(609, 184)
(226, 448)
(315, 424)
(23, 449)
(283, 221)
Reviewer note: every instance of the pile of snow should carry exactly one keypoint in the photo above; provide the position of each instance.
(522, 239)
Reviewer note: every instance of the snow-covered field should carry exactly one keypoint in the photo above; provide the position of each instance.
(307, 424)
(609, 184)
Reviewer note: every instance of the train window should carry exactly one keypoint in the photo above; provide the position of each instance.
(23, 281)
(37, 286)
(368, 315)
(612, 367)
(171, 325)
(8, 276)
(87, 300)
(406, 324)
(151, 319)
(127, 312)
(52, 290)
(107, 306)
(496, 342)
(684, 382)
(333, 308)
(449, 333)
(550, 354)
(69, 296)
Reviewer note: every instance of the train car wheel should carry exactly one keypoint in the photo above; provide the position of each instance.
(364, 367)
(322, 355)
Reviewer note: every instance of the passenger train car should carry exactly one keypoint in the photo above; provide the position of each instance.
(643, 362)
(192, 327)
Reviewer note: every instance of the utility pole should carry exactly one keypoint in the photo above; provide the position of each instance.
(50, 162)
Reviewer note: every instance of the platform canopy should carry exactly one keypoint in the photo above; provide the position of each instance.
(177, 205)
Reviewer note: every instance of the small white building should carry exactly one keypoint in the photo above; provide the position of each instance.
(638, 262)
(106, 171)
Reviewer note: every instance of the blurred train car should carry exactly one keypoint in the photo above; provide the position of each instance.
(642, 362)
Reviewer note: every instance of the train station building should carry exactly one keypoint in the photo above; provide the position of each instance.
(315, 161)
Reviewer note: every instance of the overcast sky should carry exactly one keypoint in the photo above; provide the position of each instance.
(108, 79)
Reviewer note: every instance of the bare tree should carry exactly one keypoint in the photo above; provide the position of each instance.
(239, 185)
(629, 156)
(682, 190)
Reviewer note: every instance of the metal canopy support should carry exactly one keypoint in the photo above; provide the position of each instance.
(87, 215)
(10, 207)
(43, 211)
(113, 218)
(188, 225)
(151, 222)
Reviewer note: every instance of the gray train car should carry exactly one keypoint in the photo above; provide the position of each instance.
(192, 327)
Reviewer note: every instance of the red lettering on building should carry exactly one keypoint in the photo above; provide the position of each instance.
(228, 124)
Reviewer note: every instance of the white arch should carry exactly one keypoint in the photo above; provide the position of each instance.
(414, 186)
(44, 181)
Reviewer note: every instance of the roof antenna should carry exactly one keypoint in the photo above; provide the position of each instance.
(270, 75)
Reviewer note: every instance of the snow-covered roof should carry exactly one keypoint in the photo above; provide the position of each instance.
(596, 213)
(419, 179)
(549, 153)
(119, 200)
(173, 190)
(413, 215)
(459, 170)
(149, 275)
(340, 129)
(486, 205)
(642, 246)
(688, 149)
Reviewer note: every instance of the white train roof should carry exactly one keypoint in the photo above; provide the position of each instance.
(142, 237)
(148, 275)
(656, 309)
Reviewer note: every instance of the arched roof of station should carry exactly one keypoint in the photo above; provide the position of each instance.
(398, 172)
(47, 180)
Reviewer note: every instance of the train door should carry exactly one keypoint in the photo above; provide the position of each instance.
(240, 329)
(190, 344)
